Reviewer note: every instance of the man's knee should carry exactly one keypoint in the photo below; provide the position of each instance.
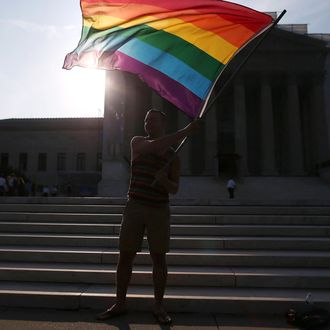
(126, 258)
(158, 259)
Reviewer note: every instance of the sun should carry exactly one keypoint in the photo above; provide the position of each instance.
(85, 88)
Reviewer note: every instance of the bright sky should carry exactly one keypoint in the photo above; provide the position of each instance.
(35, 36)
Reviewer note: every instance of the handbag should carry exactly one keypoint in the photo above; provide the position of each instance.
(313, 318)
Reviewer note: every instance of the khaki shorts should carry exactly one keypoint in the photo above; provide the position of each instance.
(137, 218)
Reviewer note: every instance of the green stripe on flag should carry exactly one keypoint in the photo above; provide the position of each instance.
(177, 47)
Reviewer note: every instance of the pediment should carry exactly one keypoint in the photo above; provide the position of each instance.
(290, 41)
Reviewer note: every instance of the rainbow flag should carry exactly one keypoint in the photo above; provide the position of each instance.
(178, 47)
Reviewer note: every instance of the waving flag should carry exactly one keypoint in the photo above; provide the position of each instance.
(178, 47)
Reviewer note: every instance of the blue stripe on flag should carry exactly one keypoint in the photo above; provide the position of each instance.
(169, 65)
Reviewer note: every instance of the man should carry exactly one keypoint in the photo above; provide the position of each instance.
(155, 171)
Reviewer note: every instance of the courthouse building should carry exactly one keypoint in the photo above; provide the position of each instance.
(50, 152)
(273, 120)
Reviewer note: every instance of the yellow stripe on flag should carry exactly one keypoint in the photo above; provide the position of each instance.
(203, 39)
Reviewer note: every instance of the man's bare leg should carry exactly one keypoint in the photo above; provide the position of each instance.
(160, 278)
(123, 277)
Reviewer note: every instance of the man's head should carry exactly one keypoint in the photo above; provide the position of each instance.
(155, 123)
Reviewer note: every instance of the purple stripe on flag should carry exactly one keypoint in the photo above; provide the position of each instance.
(168, 88)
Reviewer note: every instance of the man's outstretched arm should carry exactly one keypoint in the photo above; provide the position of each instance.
(159, 145)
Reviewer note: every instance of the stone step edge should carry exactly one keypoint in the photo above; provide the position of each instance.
(173, 252)
(235, 220)
(43, 228)
(216, 213)
(177, 242)
(231, 301)
(240, 277)
(173, 237)
(174, 225)
(177, 201)
(284, 259)
(173, 269)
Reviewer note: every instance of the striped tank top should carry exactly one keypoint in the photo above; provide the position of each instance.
(143, 173)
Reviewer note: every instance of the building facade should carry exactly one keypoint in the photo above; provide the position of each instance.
(54, 152)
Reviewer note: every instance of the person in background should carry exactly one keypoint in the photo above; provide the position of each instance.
(54, 191)
(3, 185)
(231, 186)
(12, 184)
(68, 189)
(20, 186)
(45, 191)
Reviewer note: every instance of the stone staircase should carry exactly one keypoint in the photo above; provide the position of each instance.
(235, 257)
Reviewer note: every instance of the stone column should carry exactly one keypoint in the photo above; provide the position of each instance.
(211, 143)
(268, 160)
(240, 127)
(115, 170)
(184, 153)
(319, 121)
(131, 117)
(327, 96)
(295, 143)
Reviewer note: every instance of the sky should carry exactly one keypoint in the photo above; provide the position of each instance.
(36, 35)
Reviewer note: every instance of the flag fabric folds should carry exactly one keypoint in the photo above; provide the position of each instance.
(178, 47)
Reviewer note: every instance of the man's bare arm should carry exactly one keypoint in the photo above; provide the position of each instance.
(140, 145)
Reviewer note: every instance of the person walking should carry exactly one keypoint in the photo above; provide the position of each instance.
(152, 158)
(231, 186)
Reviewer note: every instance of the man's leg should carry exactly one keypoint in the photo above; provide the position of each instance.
(159, 273)
(123, 276)
(159, 279)
(130, 241)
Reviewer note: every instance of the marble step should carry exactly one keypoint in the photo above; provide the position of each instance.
(322, 220)
(187, 229)
(177, 242)
(175, 201)
(251, 301)
(240, 277)
(247, 258)
(49, 207)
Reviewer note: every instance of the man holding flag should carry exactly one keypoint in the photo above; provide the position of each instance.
(179, 49)
(148, 208)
